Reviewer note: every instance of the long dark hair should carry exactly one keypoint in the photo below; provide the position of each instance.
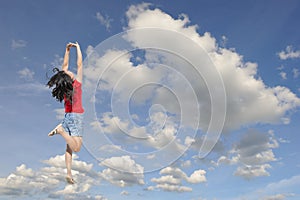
(63, 85)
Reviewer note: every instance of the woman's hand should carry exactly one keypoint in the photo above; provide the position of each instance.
(76, 44)
(69, 45)
(66, 57)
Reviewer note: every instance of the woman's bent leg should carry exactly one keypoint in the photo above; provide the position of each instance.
(73, 142)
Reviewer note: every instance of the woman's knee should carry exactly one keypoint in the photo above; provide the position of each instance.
(78, 141)
(76, 149)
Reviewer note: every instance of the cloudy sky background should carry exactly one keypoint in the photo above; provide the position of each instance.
(254, 47)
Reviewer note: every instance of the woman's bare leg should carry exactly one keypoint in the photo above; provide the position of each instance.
(73, 144)
(68, 160)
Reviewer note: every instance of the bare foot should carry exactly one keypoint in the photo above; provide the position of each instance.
(54, 131)
(70, 180)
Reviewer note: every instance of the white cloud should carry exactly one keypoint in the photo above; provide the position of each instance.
(277, 197)
(173, 188)
(151, 156)
(197, 176)
(280, 67)
(224, 41)
(49, 181)
(57, 62)
(296, 73)
(186, 164)
(188, 141)
(123, 171)
(110, 148)
(125, 193)
(16, 44)
(172, 178)
(285, 120)
(167, 179)
(246, 96)
(60, 113)
(251, 171)
(283, 75)
(284, 184)
(26, 74)
(156, 139)
(289, 53)
(25, 89)
(248, 100)
(104, 20)
(252, 154)
(277, 190)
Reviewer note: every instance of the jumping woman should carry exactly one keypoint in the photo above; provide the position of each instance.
(67, 88)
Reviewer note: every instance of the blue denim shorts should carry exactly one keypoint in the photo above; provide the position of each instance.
(72, 123)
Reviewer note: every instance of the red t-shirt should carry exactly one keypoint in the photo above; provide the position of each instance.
(76, 105)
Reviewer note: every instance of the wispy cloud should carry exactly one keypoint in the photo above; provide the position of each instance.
(57, 62)
(124, 192)
(104, 20)
(60, 113)
(26, 89)
(289, 53)
(277, 197)
(278, 190)
(26, 74)
(296, 73)
(16, 44)
(283, 75)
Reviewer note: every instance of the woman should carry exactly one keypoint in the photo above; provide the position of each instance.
(68, 89)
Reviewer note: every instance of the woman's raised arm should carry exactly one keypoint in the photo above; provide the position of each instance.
(79, 63)
(66, 57)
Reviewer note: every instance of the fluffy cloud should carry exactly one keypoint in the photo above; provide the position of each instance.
(289, 53)
(252, 171)
(185, 82)
(172, 178)
(123, 171)
(252, 153)
(151, 147)
(249, 100)
(49, 181)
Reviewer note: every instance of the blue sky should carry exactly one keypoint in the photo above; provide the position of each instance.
(155, 70)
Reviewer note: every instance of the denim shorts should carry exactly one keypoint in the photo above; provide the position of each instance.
(72, 123)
